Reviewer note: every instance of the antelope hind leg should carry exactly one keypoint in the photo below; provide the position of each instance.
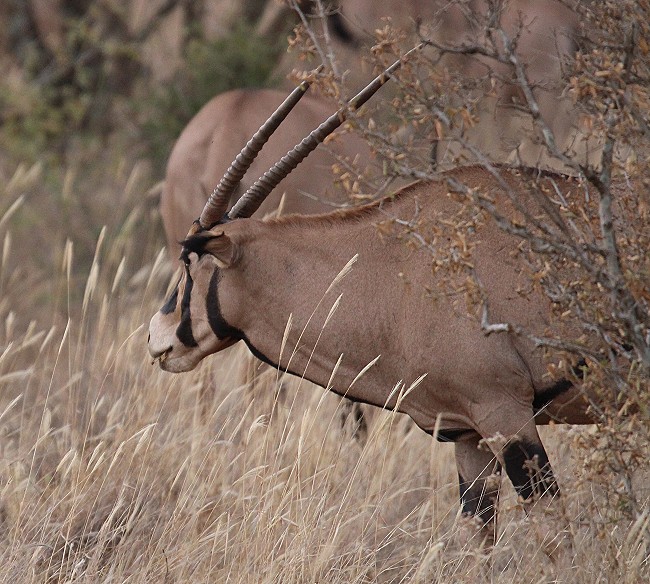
(354, 418)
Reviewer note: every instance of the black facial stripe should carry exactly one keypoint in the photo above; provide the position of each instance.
(223, 330)
(172, 301)
(217, 323)
(184, 329)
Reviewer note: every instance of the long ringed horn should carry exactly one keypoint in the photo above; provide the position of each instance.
(217, 204)
(251, 200)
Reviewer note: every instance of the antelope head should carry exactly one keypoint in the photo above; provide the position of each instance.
(190, 325)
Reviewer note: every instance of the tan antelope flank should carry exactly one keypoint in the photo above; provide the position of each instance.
(331, 296)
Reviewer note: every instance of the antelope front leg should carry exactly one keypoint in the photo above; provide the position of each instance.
(528, 468)
(479, 481)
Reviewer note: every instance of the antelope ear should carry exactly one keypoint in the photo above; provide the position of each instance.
(222, 248)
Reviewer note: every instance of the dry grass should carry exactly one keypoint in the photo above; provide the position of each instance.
(113, 471)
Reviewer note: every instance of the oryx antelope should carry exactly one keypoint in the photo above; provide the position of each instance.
(331, 296)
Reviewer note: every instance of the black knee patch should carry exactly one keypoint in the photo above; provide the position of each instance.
(529, 470)
(475, 501)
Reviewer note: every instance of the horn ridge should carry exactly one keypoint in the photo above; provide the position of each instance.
(255, 195)
(217, 203)
(251, 200)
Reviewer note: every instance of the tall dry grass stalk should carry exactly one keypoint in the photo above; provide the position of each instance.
(113, 471)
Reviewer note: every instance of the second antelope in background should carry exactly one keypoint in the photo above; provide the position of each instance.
(220, 130)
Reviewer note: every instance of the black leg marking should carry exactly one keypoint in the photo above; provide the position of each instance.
(360, 426)
(547, 395)
(352, 413)
(479, 482)
(476, 500)
(529, 470)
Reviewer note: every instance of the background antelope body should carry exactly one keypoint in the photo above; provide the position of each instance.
(218, 132)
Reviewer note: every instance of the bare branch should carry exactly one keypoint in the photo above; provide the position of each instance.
(331, 58)
(326, 57)
(489, 328)
(533, 105)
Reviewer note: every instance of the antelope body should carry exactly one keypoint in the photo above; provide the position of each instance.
(352, 302)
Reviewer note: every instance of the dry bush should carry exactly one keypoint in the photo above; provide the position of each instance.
(587, 249)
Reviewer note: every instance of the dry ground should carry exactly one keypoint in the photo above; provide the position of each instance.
(113, 471)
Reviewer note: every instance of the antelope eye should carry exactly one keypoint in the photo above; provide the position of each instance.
(188, 257)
